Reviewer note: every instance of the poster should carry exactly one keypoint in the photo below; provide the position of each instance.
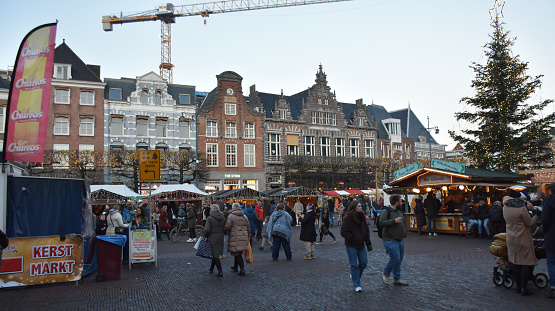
(40, 260)
(141, 244)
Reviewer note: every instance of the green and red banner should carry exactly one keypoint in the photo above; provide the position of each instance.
(29, 98)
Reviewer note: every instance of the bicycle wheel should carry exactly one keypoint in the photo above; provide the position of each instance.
(541, 280)
(175, 234)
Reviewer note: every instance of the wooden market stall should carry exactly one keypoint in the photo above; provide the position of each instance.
(174, 195)
(452, 185)
(242, 196)
(102, 195)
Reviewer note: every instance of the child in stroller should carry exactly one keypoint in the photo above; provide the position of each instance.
(502, 273)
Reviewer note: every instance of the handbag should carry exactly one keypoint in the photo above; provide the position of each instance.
(204, 249)
(325, 230)
(248, 255)
(117, 230)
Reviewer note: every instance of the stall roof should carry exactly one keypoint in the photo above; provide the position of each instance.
(178, 187)
(296, 192)
(349, 192)
(473, 175)
(122, 190)
(241, 194)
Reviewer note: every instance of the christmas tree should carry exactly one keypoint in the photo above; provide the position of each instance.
(509, 128)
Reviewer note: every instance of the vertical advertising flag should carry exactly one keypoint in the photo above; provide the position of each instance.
(29, 98)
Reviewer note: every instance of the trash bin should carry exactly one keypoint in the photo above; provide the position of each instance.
(109, 252)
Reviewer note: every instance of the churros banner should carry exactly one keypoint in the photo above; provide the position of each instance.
(29, 99)
(40, 260)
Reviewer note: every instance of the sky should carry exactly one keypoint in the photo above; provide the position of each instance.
(388, 52)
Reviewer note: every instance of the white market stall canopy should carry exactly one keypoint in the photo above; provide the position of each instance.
(178, 192)
(104, 191)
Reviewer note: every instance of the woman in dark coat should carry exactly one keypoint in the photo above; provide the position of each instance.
(420, 214)
(214, 232)
(192, 222)
(325, 228)
(308, 231)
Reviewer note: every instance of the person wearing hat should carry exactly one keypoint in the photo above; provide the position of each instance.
(520, 246)
(548, 225)
(308, 231)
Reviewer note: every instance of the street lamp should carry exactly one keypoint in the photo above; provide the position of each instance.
(430, 137)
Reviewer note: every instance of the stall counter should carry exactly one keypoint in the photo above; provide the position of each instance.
(446, 223)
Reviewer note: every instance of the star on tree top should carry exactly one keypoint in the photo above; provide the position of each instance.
(496, 12)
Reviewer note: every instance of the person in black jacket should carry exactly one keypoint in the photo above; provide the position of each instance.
(420, 214)
(432, 206)
(356, 234)
(482, 213)
(308, 231)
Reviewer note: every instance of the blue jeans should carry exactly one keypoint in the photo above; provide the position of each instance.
(485, 222)
(277, 242)
(358, 260)
(471, 223)
(331, 218)
(396, 251)
(432, 223)
(550, 258)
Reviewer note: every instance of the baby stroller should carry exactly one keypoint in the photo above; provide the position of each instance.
(502, 273)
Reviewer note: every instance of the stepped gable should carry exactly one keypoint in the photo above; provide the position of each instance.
(79, 70)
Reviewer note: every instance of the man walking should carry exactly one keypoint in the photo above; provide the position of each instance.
(394, 232)
(548, 224)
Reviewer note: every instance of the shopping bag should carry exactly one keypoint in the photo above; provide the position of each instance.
(248, 255)
(204, 249)
(198, 243)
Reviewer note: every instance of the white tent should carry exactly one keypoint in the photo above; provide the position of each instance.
(177, 187)
(117, 189)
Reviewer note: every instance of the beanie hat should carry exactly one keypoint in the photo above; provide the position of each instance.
(513, 193)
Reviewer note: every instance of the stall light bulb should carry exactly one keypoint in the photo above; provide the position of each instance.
(444, 188)
(428, 189)
(415, 190)
(461, 187)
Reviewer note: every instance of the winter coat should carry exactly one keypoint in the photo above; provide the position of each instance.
(308, 229)
(239, 230)
(420, 213)
(356, 234)
(251, 215)
(100, 226)
(163, 221)
(214, 232)
(432, 206)
(467, 212)
(548, 223)
(272, 208)
(392, 231)
(483, 212)
(280, 225)
(114, 220)
(191, 217)
(259, 212)
(298, 207)
(519, 239)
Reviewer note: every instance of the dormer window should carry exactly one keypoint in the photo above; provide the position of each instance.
(62, 72)
(144, 96)
(360, 122)
(158, 97)
(283, 114)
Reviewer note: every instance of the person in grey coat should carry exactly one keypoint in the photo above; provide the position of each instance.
(214, 232)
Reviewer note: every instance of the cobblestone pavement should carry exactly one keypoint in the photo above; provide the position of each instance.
(445, 273)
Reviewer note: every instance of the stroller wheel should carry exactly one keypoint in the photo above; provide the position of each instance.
(508, 282)
(541, 280)
(497, 279)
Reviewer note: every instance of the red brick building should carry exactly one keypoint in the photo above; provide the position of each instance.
(231, 136)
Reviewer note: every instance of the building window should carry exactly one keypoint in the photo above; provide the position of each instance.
(324, 146)
(212, 155)
(230, 130)
(184, 129)
(361, 122)
(250, 183)
(61, 96)
(369, 149)
(230, 109)
(142, 126)
(250, 156)
(86, 155)
(283, 114)
(319, 101)
(116, 125)
(114, 94)
(408, 151)
(385, 150)
(211, 129)
(61, 125)
(320, 117)
(274, 145)
(333, 119)
(212, 185)
(86, 126)
(61, 155)
(249, 131)
(292, 144)
(354, 147)
(184, 99)
(161, 127)
(340, 147)
(144, 97)
(62, 72)
(309, 145)
(86, 98)
(230, 155)
(313, 117)
(2, 119)
(158, 97)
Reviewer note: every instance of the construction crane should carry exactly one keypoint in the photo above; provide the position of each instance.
(167, 13)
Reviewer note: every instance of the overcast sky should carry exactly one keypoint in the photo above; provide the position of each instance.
(391, 52)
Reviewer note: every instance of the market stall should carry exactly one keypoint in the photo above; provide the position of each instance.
(242, 196)
(102, 195)
(453, 183)
(174, 195)
(291, 195)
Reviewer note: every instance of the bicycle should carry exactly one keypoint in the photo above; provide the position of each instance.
(179, 230)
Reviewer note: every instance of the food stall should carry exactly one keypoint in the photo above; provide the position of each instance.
(174, 195)
(102, 195)
(241, 196)
(453, 183)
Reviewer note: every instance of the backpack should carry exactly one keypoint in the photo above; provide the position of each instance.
(4, 241)
(496, 214)
(378, 225)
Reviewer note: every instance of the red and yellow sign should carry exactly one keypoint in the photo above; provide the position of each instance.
(40, 260)
(29, 99)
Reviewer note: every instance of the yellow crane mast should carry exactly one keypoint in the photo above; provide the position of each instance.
(167, 13)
